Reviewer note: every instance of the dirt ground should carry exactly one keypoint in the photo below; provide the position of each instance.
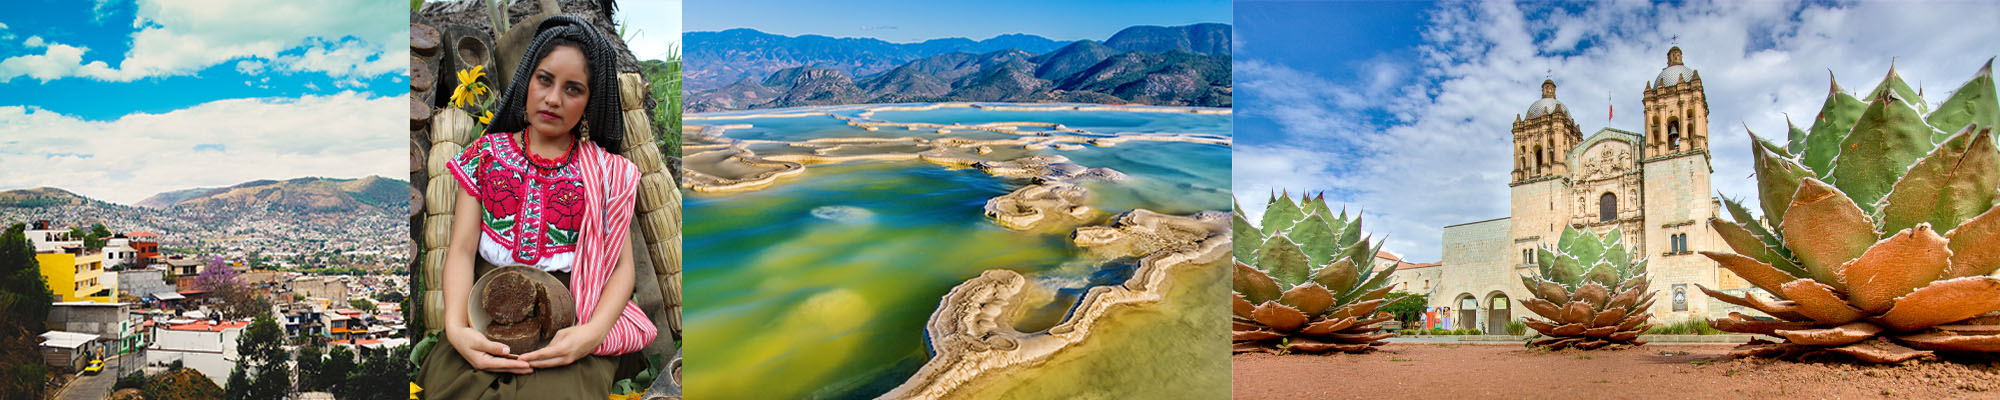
(1658, 371)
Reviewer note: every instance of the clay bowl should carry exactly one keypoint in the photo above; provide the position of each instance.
(560, 302)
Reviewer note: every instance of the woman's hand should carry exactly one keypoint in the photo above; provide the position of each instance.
(570, 344)
(483, 354)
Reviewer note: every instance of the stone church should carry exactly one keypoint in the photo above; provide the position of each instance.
(1652, 185)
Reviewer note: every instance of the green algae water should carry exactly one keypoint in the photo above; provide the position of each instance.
(819, 285)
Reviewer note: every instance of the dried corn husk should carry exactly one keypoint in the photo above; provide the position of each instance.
(441, 195)
(644, 157)
(656, 226)
(666, 255)
(434, 309)
(440, 158)
(657, 190)
(452, 125)
(670, 289)
(433, 267)
(437, 230)
(638, 129)
(632, 91)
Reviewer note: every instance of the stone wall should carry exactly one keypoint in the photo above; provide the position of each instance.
(1477, 265)
(1678, 202)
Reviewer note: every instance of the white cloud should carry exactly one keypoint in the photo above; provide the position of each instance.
(250, 67)
(345, 59)
(55, 62)
(180, 38)
(102, 10)
(1445, 158)
(658, 23)
(141, 154)
(33, 42)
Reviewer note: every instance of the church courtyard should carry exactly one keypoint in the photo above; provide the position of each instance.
(1653, 371)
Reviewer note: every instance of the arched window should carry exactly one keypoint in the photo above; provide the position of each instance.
(1538, 156)
(1607, 207)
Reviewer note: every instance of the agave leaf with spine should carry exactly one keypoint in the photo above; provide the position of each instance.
(1306, 281)
(1589, 293)
(1882, 236)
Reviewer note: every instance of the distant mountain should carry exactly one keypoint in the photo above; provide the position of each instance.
(717, 59)
(315, 195)
(1185, 65)
(41, 197)
(1210, 39)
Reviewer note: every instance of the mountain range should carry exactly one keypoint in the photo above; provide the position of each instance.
(303, 194)
(1183, 65)
(309, 195)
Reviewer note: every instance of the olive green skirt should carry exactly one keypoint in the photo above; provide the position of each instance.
(446, 375)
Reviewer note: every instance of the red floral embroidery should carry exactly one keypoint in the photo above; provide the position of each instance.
(565, 206)
(499, 192)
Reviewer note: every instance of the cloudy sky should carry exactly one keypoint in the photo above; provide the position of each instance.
(121, 99)
(903, 21)
(1403, 109)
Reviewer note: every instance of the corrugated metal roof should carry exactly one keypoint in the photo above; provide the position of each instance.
(67, 340)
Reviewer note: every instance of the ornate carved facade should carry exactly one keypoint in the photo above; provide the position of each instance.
(1653, 186)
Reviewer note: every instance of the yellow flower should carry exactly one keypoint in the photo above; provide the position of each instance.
(468, 86)
(413, 390)
(486, 119)
(627, 396)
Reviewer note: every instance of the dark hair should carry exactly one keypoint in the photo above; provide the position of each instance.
(606, 126)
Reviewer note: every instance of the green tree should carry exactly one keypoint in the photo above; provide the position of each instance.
(1409, 311)
(21, 277)
(311, 359)
(380, 368)
(362, 304)
(24, 311)
(339, 361)
(262, 361)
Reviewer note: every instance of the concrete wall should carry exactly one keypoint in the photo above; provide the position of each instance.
(107, 321)
(205, 351)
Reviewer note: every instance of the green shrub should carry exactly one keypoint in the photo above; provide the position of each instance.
(1517, 328)
(1694, 326)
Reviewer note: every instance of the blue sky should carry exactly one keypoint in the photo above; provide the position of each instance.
(121, 99)
(917, 20)
(1403, 109)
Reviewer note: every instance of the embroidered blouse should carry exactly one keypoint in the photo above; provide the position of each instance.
(530, 215)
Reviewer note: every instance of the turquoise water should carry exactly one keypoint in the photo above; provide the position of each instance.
(827, 278)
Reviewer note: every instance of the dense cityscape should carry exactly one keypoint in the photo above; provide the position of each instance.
(160, 302)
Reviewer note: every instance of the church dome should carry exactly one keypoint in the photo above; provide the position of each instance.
(1675, 72)
(1543, 107)
(1547, 104)
(1674, 75)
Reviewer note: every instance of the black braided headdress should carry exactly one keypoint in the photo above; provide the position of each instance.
(601, 119)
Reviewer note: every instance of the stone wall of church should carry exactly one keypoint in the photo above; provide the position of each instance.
(1540, 211)
(1677, 202)
(1477, 265)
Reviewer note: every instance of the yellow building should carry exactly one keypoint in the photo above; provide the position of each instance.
(73, 277)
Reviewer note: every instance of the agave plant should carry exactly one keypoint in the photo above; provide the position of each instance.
(1306, 282)
(1591, 290)
(1879, 229)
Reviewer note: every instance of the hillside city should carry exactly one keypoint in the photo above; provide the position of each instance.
(146, 294)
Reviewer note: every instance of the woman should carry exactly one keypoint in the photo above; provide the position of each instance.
(544, 188)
